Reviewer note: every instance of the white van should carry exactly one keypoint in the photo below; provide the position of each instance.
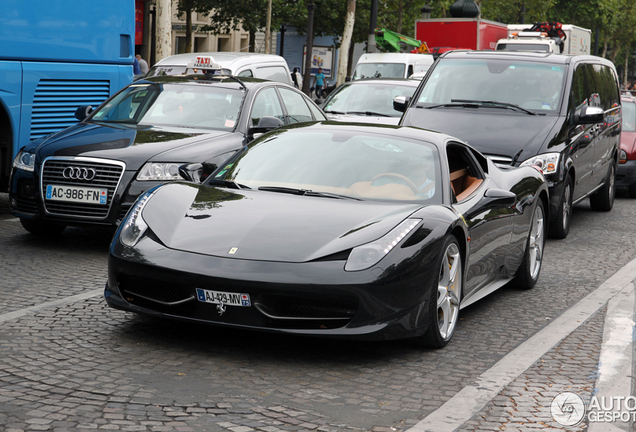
(265, 66)
(392, 65)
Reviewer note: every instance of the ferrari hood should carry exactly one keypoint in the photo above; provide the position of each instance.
(268, 226)
(120, 142)
(489, 130)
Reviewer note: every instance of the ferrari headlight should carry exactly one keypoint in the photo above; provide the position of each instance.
(367, 255)
(548, 163)
(24, 161)
(134, 225)
(159, 171)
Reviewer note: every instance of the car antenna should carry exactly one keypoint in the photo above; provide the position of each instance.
(238, 81)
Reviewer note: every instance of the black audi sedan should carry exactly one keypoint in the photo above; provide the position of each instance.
(91, 173)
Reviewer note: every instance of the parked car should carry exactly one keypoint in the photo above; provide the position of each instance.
(91, 173)
(247, 65)
(626, 172)
(368, 101)
(333, 229)
(562, 112)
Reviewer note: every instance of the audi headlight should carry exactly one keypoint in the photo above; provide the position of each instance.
(367, 255)
(134, 225)
(159, 171)
(548, 163)
(24, 161)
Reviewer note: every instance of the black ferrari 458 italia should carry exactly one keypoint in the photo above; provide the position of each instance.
(332, 229)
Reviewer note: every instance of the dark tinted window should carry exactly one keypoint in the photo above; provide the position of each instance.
(578, 93)
(602, 88)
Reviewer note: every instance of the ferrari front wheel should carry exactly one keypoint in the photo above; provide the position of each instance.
(445, 296)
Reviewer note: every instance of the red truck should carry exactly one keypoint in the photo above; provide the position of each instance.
(446, 34)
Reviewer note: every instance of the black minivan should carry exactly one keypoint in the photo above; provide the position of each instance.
(561, 113)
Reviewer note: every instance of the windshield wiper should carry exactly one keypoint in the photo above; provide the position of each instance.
(335, 112)
(494, 104)
(304, 192)
(464, 105)
(228, 183)
(330, 195)
(369, 113)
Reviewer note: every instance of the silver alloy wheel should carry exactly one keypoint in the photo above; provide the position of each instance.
(449, 291)
(567, 206)
(536, 242)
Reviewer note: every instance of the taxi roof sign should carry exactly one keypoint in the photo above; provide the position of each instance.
(204, 62)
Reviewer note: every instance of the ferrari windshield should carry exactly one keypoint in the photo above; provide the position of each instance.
(480, 82)
(345, 162)
(184, 105)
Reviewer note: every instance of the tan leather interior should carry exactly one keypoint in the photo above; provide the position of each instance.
(463, 184)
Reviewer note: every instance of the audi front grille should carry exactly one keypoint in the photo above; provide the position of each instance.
(85, 173)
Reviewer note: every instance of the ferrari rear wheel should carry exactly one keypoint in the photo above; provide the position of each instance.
(528, 273)
(445, 300)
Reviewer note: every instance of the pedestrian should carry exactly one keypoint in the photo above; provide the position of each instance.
(143, 65)
(297, 78)
(136, 69)
(319, 83)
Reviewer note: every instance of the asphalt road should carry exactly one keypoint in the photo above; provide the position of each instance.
(77, 365)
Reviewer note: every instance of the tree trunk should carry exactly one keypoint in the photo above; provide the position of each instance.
(625, 74)
(268, 27)
(188, 32)
(163, 46)
(615, 49)
(252, 41)
(343, 56)
(400, 12)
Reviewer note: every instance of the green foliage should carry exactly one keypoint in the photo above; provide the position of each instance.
(614, 20)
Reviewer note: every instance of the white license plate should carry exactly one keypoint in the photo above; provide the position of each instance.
(227, 298)
(76, 194)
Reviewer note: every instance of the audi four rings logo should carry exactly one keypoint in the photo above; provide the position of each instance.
(78, 173)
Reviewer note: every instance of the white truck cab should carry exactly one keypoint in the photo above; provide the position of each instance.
(392, 65)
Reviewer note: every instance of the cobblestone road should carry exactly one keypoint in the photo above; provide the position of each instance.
(82, 366)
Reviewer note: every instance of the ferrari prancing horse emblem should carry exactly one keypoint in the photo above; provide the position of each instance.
(220, 308)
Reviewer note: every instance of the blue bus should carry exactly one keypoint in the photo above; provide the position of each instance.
(56, 55)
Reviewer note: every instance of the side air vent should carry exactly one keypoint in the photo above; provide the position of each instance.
(56, 101)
